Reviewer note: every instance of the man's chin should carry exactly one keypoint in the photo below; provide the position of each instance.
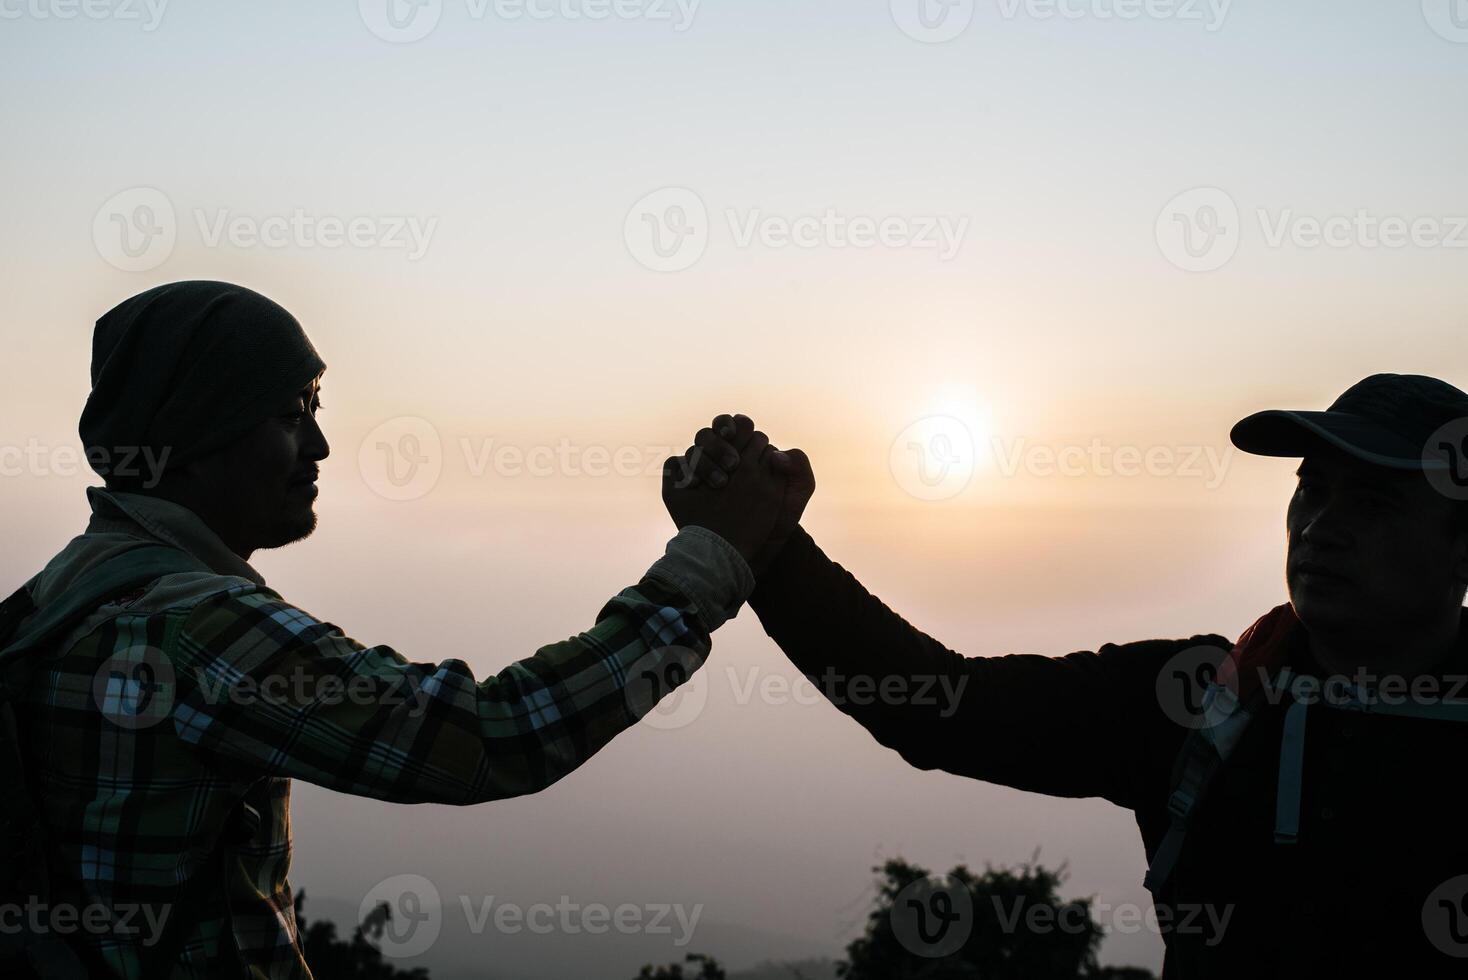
(298, 525)
(1327, 611)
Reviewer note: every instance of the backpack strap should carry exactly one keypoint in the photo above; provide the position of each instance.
(1222, 721)
(1290, 789)
(1206, 749)
(25, 629)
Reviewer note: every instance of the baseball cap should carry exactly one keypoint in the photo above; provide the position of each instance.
(1402, 421)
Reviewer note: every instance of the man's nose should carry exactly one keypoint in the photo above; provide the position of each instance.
(316, 447)
(1328, 527)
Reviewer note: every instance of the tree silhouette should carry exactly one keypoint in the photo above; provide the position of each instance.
(1019, 929)
(709, 970)
(333, 959)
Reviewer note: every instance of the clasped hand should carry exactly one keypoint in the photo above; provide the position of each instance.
(734, 483)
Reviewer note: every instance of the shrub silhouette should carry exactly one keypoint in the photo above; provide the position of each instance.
(1022, 930)
(331, 958)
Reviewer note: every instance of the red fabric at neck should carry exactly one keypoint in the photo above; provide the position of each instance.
(1262, 651)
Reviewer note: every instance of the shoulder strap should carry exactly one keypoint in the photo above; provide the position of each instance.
(1203, 753)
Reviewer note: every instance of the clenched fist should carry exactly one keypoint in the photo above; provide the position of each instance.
(734, 483)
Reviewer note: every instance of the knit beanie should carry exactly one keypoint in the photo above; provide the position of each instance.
(187, 368)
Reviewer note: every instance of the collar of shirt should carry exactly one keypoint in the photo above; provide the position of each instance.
(169, 522)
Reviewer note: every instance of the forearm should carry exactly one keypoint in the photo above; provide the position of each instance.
(1031, 722)
(905, 687)
(365, 720)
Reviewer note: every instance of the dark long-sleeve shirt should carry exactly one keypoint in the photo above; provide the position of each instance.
(1379, 842)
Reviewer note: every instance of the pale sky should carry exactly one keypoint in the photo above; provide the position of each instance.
(1082, 235)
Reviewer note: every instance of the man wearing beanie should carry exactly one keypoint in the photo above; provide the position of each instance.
(161, 734)
(1298, 791)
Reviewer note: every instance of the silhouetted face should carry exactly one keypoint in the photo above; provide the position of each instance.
(1370, 548)
(258, 492)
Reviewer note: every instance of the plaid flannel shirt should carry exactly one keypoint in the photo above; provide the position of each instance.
(163, 734)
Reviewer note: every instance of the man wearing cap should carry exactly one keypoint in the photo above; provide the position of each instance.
(162, 735)
(1297, 791)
